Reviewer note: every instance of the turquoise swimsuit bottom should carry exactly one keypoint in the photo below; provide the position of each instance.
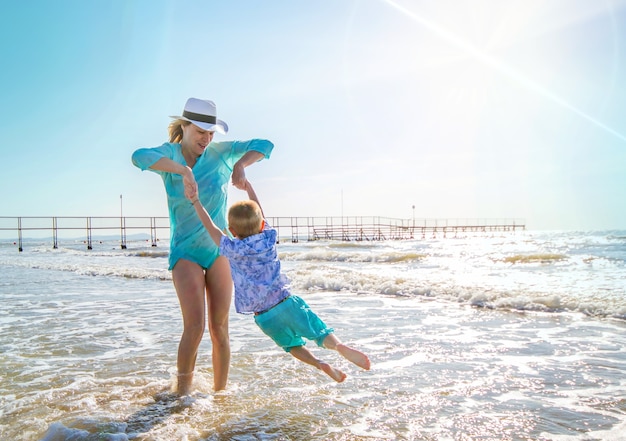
(188, 238)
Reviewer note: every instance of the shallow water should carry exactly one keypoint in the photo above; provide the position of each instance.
(88, 344)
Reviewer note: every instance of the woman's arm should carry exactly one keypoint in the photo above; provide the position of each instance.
(158, 159)
(170, 166)
(239, 174)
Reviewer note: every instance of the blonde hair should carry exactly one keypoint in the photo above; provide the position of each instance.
(245, 218)
(175, 130)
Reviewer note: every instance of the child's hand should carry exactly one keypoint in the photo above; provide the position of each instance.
(190, 185)
(239, 176)
(191, 192)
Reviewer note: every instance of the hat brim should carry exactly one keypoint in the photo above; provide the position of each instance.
(220, 126)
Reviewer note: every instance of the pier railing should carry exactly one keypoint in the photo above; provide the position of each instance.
(295, 229)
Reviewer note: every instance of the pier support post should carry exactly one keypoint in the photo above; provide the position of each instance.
(19, 234)
(55, 234)
(89, 247)
(153, 237)
(122, 232)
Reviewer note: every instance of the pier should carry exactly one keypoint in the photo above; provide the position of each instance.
(377, 228)
(294, 229)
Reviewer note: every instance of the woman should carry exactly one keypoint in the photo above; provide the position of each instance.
(201, 276)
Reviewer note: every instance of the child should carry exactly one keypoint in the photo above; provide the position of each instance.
(261, 289)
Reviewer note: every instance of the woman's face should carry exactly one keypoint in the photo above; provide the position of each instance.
(195, 139)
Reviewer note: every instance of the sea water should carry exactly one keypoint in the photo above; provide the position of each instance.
(505, 336)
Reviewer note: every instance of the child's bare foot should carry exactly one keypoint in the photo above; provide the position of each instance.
(333, 373)
(354, 356)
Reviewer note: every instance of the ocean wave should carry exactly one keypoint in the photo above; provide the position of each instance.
(492, 292)
(94, 270)
(619, 238)
(551, 303)
(329, 255)
(149, 253)
(531, 258)
(478, 295)
(127, 273)
(553, 273)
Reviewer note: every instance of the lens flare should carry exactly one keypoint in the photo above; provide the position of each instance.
(501, 67)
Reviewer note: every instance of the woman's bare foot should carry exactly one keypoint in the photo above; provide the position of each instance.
(354, 356)
(184, 381)
(333, 373)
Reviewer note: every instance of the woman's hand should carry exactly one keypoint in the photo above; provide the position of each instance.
(239, 176)
(191, 193)
(190, 184)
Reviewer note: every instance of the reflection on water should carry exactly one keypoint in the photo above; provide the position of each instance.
(88, 357)
(440, 371)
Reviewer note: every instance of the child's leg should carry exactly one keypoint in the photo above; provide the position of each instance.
(350, 354)
(303, 354)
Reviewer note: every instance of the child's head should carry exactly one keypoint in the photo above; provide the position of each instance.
(245, 219)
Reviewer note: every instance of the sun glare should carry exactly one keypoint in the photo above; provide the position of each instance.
(486, 58)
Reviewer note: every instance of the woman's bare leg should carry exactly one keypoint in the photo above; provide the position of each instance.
(189, 282)
(350, 354)
(219, 295)
(303, 354)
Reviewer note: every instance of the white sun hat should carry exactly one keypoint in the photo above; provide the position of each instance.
(203, 114)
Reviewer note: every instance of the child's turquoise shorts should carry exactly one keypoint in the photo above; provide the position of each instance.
(291, 320)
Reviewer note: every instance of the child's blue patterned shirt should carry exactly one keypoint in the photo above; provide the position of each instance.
(255, 268)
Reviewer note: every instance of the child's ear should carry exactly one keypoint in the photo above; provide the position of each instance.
(232, 231)
(262, 225)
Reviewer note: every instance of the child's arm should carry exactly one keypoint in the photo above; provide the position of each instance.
(252, 196)
(214, 231)
(191, 192)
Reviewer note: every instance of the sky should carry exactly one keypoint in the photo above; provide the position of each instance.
(489, 109)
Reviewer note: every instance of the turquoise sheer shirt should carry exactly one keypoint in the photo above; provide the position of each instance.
(188, 238)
